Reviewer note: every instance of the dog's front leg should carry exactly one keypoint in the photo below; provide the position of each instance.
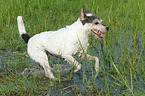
(94, 58)
(72, 61)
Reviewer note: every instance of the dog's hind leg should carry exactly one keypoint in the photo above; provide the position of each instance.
(39, 55)
(72, 61)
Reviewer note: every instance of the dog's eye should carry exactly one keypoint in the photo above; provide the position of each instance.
(97, 23)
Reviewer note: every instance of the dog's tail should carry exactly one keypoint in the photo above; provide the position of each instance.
(22, 31)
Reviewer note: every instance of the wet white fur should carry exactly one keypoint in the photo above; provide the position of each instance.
(65, 42)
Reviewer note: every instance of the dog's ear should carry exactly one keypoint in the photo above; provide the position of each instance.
(82, 17)
(87, 13)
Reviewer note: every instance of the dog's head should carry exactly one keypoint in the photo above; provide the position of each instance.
(93, 23)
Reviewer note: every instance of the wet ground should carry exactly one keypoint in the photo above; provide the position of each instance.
(81, 82)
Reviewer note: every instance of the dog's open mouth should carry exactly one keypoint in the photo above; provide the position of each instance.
(98, 33)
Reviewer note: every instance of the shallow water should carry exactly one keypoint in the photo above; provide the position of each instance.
(9, 60)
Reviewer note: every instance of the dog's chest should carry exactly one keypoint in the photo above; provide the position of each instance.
(80, 44)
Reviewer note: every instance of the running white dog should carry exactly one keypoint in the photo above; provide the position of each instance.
(65, 42)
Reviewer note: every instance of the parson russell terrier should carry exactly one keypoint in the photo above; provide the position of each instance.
(65, 42)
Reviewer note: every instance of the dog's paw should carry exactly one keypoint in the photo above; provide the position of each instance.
(78, 68)
(96, 69)
(51, 77)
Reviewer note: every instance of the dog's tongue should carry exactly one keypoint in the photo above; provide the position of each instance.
(101, 35)
(98, 33)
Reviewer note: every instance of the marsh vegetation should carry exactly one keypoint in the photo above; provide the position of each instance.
(121, 53)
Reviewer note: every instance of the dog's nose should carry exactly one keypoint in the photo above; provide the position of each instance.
(107, 28)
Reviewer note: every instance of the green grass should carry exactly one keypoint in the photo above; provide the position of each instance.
(121, 54)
